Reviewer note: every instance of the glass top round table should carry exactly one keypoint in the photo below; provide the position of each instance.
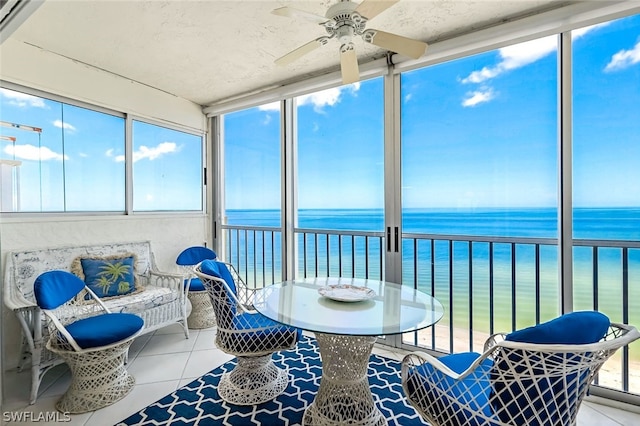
(346, 315)
(350, 306)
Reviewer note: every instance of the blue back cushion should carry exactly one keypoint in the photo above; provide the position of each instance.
(195, 255)
(195, 285)
(109, 277)
(105, 329)
(55, 288)
(223, 304)
(576, 328)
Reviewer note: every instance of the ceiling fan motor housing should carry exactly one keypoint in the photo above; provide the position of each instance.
(343, 22)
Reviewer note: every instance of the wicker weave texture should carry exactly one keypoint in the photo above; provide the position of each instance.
(511, 383)
(202, 315)
(98, 377)
(344, 396)
(251, 337)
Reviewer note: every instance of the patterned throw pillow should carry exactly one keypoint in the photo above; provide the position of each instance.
(107, 276)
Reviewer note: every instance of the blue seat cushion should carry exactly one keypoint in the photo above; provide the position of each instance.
(263, 340)
(196, 284)
(436, 392)
(103, 330)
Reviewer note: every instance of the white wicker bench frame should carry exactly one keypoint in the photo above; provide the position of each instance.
(23, 267)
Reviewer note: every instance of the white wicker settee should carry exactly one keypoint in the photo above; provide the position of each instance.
(161, 300)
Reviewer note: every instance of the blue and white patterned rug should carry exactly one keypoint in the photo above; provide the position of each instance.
(198, 403)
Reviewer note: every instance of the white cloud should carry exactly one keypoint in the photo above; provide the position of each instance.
(478, 97)
(328, 97)
(515, 56)
(521, 54)
(273, 106)
(31, 152)
(66, 126)
(150, 153)
(624, 59)
(22, 100)
(408, 97)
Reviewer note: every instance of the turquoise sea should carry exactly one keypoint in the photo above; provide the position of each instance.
(462, 275)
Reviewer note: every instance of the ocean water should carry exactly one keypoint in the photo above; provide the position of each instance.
(462, 275)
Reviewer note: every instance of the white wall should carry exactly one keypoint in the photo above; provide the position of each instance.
(169, 233)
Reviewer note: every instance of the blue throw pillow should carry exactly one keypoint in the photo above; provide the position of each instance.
(108, 276)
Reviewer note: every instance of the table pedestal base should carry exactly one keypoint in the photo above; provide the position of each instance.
(344, 396)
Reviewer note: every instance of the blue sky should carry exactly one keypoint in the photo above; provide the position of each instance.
(476, 132)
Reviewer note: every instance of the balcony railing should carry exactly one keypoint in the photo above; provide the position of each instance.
(486, 284)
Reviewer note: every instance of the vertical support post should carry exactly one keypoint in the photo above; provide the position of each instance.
(289, 173)
(392, 179)
(565, 200)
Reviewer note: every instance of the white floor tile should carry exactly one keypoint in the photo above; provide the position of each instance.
(167, 344)
(587, 416)
(141, 396)
(175, 329)
(201, 362)
(625, 418)
(206, 340)
(158, 368)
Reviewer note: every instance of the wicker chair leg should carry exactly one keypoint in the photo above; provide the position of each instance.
(98, 379)
(202, 315)
(254, 380)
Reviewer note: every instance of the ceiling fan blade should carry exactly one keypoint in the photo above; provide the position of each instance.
(371, 8)
(349, 64)
(300, 51)
(290, 12)
(395, 43)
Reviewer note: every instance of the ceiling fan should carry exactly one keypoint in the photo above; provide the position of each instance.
(343, 21)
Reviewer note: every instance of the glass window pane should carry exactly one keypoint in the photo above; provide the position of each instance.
(58, 157)
(340, 141)
(167, 169)
(252, 166)
(95, 170)
(341, 157)
(252, 193)
(479, 159)
(606, 179)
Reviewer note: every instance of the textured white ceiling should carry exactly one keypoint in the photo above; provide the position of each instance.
(207, 51)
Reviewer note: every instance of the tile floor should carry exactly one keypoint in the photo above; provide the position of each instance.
(165, 360)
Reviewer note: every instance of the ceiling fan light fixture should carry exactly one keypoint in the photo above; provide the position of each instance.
(345, 19)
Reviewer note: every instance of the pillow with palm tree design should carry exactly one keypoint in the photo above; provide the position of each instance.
(107, 276)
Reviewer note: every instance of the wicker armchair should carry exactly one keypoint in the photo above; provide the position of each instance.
(91, 340)
(248, 335)
(201, 315)
(535, 376)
